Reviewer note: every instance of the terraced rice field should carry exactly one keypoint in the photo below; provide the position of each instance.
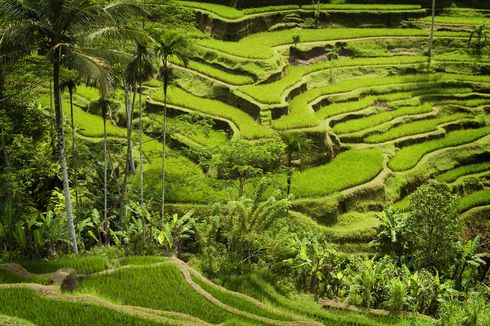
(386, 118)
(170, 293)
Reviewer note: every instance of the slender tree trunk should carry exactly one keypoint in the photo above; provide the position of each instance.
(74, 151)
(53, 123)
(104, 116)
(143, 221)
(2, 81)
(142, 188)
(164, 141)
(290, 174)
(129, 168)
(431, 39)
(129, 125)
(241, 187)
(61, 147)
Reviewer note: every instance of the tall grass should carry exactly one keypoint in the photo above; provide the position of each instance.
(237, 301)
(356, 104)
(479, 198)
(453, 174)
(414, 128)
(302, 116)
(458, 20)
(256, 287)
(409, 156)
(219, 74)
(376, 119)
(230, 13)
(272, 93)
(28, 305)
(249, 128)
(9, 278)
(348, 169)
(81, 264)
(158, 287)
(259, 46)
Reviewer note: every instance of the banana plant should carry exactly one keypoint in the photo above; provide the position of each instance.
(175, 231)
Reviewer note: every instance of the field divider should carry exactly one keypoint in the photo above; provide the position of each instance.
(187, 275)
(483, 142)
(54, 293)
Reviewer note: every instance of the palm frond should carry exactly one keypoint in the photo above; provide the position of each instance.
(117, 34)
(14, 10)
(93, 69)
(18, 38)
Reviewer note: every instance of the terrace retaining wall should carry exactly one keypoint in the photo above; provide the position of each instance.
(235, 30)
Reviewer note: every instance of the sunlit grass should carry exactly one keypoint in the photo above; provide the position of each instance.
(479, 198)
(160, 287)
(376, 119)
(348, 169)
(453, 174)
(409, 156)
(260, 45)
(28, 305)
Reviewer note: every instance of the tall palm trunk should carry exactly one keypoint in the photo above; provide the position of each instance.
(61, 147)
(142, 188)
(129, 169)
(431, 39)
(104, 116)
(51, 111)
(290, 175)
(74, 149)
(129, 126)
(143, 221)
(164, 140)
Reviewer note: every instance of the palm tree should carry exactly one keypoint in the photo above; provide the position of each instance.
(296, 143)
(139, 70)
(431, 38)
(170, 44)
(62, 30)
(480, 35)
(70, 85)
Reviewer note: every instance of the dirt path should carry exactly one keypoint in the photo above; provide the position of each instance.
(56, 278)
(252, 300)
(326, 303)
(185, 271)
